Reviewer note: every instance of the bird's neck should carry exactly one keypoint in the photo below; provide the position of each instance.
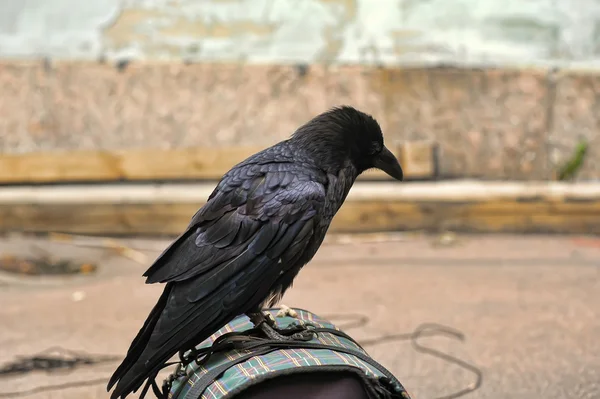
(339, 185)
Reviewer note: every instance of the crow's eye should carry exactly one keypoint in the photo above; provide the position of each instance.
(375, 149)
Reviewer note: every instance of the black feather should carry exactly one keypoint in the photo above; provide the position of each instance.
(265, 220)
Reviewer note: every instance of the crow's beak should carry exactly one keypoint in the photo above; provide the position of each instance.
(387, 162)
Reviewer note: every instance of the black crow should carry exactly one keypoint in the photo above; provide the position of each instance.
(241, 251)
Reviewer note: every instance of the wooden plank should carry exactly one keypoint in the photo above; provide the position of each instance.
(171, 219)
(166, 209)
(163, 165)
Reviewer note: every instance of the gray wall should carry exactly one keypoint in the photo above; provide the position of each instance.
(462, 32)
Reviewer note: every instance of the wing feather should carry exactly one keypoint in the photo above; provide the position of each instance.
(215, 238)
(254, 229)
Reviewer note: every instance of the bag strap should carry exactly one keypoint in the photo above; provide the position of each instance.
(260, 346)
(207, 379)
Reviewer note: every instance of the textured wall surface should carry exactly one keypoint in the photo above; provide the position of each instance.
(307, 31)
(500, 123)
(174, 73)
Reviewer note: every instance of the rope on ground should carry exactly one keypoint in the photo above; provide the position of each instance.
(67, 359)
(424, 330)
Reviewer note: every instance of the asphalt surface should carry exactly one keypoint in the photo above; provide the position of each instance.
(529, 308)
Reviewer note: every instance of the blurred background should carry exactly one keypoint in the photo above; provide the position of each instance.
(117, 119)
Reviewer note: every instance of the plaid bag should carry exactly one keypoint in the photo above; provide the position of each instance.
(231, 361)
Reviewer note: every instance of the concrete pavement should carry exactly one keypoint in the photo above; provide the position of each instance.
(528, 305)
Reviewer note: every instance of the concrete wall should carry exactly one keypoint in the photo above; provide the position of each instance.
(306, 31)
(253, 70)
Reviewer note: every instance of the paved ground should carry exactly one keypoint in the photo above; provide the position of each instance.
(529, 307)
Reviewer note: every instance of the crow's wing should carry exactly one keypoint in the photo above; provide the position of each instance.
(255, 226)
(255, 210)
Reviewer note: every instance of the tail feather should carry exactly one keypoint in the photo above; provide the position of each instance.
(187, 313)
(147, 356)
(135, 376)
(140, 341)
(149, 364)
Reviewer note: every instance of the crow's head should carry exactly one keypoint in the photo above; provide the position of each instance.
(344, 136)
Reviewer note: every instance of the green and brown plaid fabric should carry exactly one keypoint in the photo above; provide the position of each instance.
(280, 360)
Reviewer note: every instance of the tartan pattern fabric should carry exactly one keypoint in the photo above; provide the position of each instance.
(278, 360)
